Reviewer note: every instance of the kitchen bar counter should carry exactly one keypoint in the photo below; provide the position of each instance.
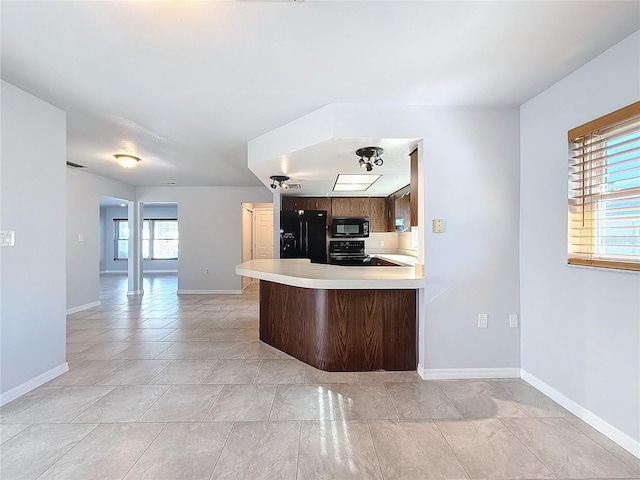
(338, 318)
(300, 272)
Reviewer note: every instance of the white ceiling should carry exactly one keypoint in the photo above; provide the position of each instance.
(185, 85)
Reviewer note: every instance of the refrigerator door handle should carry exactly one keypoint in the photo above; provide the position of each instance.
(306, 239)
(300, 237)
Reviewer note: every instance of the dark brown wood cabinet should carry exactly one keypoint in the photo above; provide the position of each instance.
(391, 213)
(350, 206)
(378, 214)
(403, 213)
(376, 208)
(341, 330)
(414, 187)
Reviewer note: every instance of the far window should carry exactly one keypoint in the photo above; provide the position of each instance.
(159, 239)
(604, 191)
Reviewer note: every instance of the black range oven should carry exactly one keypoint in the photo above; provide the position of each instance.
(348, 252)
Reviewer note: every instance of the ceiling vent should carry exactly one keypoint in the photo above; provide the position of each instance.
(75, 165)
(294, 186)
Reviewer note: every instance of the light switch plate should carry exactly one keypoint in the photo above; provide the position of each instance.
(7, 238)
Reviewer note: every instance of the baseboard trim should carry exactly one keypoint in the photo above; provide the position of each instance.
(209, 292)
(79, 308)
(625, 441)
(466, 373)
(33, 383)
(135, 292)
(145, 271)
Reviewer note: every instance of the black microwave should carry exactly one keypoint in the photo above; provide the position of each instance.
(347, 227)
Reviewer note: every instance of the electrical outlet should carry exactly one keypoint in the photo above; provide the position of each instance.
(513, 320)
(207, 271)
(382, 243)
(483, 320)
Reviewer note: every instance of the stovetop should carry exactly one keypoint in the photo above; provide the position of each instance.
(348, 252)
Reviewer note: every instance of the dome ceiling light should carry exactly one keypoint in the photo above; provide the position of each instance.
(370, 156)
(127, 161)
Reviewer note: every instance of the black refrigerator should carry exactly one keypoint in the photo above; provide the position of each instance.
(303, 234)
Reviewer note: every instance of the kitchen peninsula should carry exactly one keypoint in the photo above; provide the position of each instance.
(338, 318)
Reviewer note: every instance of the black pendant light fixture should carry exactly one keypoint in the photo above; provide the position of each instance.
(370, 156)
(279, 181)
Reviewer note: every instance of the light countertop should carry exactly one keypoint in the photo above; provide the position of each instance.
(406, 260)
(300, 272)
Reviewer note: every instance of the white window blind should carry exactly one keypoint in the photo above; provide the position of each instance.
(604, 191)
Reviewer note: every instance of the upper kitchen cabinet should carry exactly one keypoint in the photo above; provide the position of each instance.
(306, 203)
(376, 208)
(414, 188)
(403, 213)
(350, 206)
(378, 214)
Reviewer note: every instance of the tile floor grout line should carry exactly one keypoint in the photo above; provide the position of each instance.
(375, 449)
(145, 450)
(435, 423)
(299, 442)
(526, 446)
(384, 385)
(137, 420)
(215, 464)
(273, 401)
(632, 467)
(70, 449)
(448, 398)
(96, 401)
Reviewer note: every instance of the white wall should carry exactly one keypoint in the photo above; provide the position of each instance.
(83, 218)
(32, 198)
(580, 326)
(210, 232)
(150, 212)
(471, 172)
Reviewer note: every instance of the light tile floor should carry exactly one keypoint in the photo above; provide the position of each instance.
(171, 387)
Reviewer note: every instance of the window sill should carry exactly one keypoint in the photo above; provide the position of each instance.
(603, 269)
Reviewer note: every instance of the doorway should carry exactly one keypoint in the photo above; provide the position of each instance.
(257, 234)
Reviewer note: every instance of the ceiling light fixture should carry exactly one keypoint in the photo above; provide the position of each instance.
(354, 183)
(279, 181)
(370, 156)
(127, 161)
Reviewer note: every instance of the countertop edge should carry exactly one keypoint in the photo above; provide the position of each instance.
(294, 279)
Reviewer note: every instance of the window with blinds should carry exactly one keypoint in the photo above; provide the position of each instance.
(604, 191)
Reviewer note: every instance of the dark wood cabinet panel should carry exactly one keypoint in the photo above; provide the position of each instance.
(306, 203)
(298, 203)
(341, 330)
(350, 206)
(414, 188)
(403, 213)
(391, 213)
(324, 203)
(378, 209)
(378, 214)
